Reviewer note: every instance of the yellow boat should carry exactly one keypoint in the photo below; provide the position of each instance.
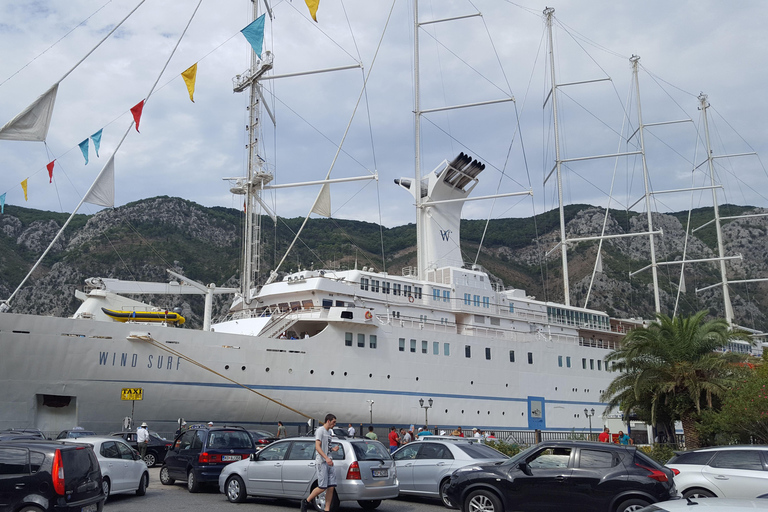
(166, 316)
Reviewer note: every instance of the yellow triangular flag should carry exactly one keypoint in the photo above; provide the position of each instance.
(189, 77)
(24, 186)
(313, 5)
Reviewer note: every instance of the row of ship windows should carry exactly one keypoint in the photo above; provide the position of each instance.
(569, 317)
(592, 362)
(386, 287)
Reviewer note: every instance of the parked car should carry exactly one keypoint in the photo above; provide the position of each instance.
(721, 471)
(261, 438)
(365, 473)
(709, 504)
(49, 475)
(14, 436)
(424, 468)
(122, 469)
(564, 475)
(75, 433)
(198, 455)
(27, 431)
(156, 449)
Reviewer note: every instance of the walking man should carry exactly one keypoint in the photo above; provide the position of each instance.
(142, 437)
(281, 432)
(326, 475)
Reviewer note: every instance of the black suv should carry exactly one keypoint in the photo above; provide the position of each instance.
(564, 475)
(199, 454)
(49, 475)
(156, 449)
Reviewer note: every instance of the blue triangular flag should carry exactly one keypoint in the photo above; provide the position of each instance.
(254, 33)
(96, 138)
(2, 203)
(84, 148)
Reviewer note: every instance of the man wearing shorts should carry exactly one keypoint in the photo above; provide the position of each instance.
(326, 475)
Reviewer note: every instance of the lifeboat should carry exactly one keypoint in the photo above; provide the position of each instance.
(165, 316)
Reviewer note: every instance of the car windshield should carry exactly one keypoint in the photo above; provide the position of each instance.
(520, 456)
(370, 450)
(480, 451)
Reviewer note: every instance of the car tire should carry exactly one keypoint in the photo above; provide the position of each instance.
(698, 493)
(235, 490)
(143, 484)
(105, 485)
(165, 476)
(631, 505)
(443, 496)
(368, 504)
(482, 500)
(150, 459)
(319, 503)
(192, 484)
(31, 508)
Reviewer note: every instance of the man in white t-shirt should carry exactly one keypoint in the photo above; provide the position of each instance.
(326, 474)
(351, 431)
(142, 438)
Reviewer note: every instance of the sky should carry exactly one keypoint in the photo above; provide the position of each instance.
(185, 149)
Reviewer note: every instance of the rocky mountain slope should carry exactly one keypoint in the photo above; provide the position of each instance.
(140, 240)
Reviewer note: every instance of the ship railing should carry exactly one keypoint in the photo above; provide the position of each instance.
(593, 343)
(416, 323)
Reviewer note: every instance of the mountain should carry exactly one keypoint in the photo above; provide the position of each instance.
(140, 240)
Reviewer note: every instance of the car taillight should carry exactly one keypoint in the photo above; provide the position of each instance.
(262, 441)
(655, 474)
(206, 458)
(353, 473)
(58, 473)
(675, 471)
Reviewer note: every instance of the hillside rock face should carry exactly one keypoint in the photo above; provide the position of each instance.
(139, 241)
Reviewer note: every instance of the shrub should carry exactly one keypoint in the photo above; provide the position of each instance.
(659, 452)
(505, 447)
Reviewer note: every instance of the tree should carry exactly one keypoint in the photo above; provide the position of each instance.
(671, 366)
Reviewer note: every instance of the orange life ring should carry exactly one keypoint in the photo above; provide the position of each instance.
(410, 298)
(368, 315)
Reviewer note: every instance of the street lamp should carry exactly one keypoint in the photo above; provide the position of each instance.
(370, 409)
(426, 410)
(589, 415)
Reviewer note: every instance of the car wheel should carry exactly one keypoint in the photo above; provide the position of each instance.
(165, 476)
(150, 459)
(235, 489)
(631, 505)
(698, 493)
(31, 509)
(443, 496)
(105, 487)
(143, 483)
(482, 500)
(368, 504)
(192, 484)
(319, 502)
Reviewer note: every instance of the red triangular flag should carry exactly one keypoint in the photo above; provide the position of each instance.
(136, 111)
(50, 171)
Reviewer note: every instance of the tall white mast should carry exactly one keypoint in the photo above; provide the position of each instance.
(421, 257)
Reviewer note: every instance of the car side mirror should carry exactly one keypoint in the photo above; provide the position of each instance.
(253, 457)
(525, 468)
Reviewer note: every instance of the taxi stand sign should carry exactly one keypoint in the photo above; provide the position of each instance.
(132, 394)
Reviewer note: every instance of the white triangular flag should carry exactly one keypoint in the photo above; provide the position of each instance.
(33, 122)
(682, 283)
(599, 263)
(323, 202)
(102, 192)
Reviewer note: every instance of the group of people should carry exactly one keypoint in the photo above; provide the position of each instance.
(622, 438)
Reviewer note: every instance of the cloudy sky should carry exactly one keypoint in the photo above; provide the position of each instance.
(185, 149)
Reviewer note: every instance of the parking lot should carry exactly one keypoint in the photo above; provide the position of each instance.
(176, 498)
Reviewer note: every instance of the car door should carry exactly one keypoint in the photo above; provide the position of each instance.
(265, 473)
(596, 478)
(15, 481)
(112, 465)
(132, 465)
(405, 458)
(543, 483)
(182, 454)
(299, 469)
(432, 463)
(737, 473)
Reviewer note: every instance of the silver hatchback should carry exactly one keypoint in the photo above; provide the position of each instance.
(365, 472)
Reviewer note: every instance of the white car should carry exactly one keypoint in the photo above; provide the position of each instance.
(722, 472)
(122, 469)
(709, 504)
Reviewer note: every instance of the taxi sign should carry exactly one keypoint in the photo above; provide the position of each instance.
(131, 394)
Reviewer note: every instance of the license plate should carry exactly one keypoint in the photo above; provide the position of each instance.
(380, 473)
(90, 508)
(229, 458)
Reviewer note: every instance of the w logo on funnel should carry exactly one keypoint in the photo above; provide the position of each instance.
(445, 234)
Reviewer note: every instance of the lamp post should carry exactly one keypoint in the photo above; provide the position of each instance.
(370, 409)
(426, 410)
(589, 415)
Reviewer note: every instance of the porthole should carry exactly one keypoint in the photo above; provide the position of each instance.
(478, 412)
(387, 376)
(503, 413)
(345, 374)
(555, 388)
(226, 367)
(471, 383)
(446, 411)
(522, 414)
(290, 370)
(506, 385)
(462, 411)
(417, 378)
(267, 369)
(311, 372)
(242, 368)
(489, 413)
(370, 375)
(332, 372)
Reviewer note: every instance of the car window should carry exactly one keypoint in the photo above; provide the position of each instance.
(131, 438)
(480, 451)
(126, 452)
(738, 459)
(338, 454)
(699, 458)
(226, 439)
(14, 461)
(185, 441)
(276, 451)
(370, 450)
(409, 452)
(596, 459)
(109, 450)
(550, 458)
(36, 460)
(197, 441)
(435, 451)
(302, 450)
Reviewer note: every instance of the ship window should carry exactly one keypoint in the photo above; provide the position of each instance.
(495, 321)
(402, 344)
(467, 351)
(347, 315)
(446, 349)
(476, 299)
(446, 296)
(488, 353)
(374, 285)
(511, 356)
(396, 287)
(413, 346)
(348, 339)
(486, 302)
(339, 303)
(560, 361)
(364, 283)
(417, 292)
(479, 319)
(530, 357)
(327, 303)
(385, 287)
(584, 363)
(424, 346)
(436, 348)
(283, 306)
(307, 304)
(591, 364)
(435, 294)
(361, 340)
(568, 361)
(295, 306)
(511, 307)
(407, 291)
(467, 299)
(599, 364)
(372, 341)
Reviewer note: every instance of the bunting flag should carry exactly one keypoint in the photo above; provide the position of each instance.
(322, 204)
(102, 192)
(50, 171)
(682, 283)
(599, 263)
(136, 111)
(84, 148)
(189, 76)
(24, 187)
(2, 203)
(33, 122)
(313, 5)
(96, 138)
(254, 34)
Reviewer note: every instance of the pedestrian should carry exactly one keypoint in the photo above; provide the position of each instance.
(281, 432)
(394, 439)
(351, 431)
(142, 437)
(326, 475)
(457, 432)
(605, 436)
(624, 438)
(476, 433)
(181, 428)
(405, 437)
(371, 434)
(424, 431)
(210, 424)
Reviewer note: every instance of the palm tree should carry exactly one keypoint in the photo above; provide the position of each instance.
(671, 365)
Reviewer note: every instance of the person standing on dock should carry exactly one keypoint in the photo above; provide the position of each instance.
(142, 437)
